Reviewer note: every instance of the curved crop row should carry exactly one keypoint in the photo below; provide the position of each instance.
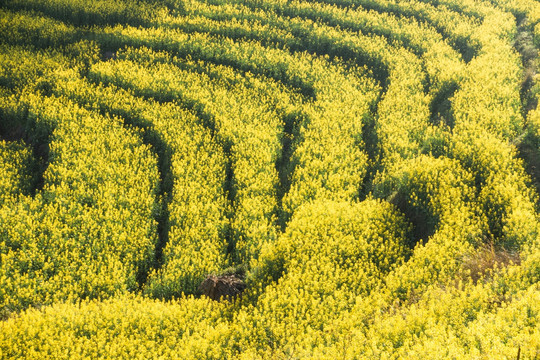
(90, 230)
(193, 170)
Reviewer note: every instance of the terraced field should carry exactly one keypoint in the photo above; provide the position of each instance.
(269, 179)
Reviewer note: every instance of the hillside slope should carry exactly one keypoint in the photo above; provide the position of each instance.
(366, 170)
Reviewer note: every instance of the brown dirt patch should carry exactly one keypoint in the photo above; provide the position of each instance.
(226, 287)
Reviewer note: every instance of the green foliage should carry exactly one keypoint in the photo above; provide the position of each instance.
(96, 12)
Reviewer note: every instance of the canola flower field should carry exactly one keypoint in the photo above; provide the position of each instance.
(368, 169)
